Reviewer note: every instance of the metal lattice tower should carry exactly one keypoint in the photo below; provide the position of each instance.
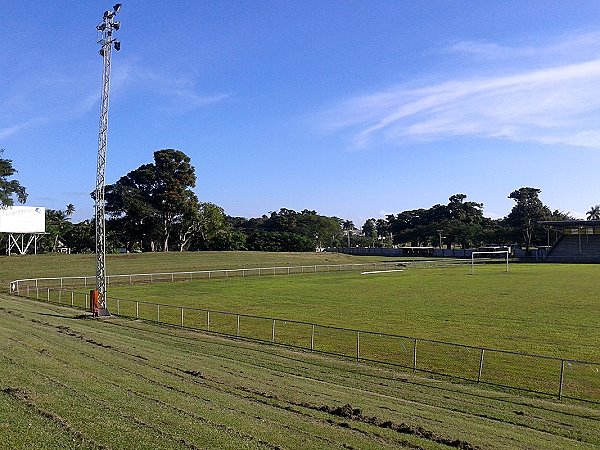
(106, 28)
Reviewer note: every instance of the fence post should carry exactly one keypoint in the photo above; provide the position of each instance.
(87, 305)
(238, 325)
(562, 374)
(137, 310)
(182, 317)
(358, 345)
(72, 293)
(48, 295)
(158, 313)
(273, 332)
(208, 320)
(415, 355)
(118, 307)
(480, 365)
(37, 292)
(312, 338)
(60, 294)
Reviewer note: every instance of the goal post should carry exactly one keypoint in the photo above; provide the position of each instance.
(496, 253)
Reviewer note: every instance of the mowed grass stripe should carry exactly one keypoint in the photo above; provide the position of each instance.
(177, 382)
(142, 405)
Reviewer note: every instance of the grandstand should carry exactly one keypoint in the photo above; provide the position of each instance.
(576, 241)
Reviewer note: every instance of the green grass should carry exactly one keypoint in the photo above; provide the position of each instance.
(67, 381)
(542, 309)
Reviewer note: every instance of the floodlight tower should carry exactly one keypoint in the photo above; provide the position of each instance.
(106, 41)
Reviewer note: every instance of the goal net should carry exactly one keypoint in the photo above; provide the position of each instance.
(489, 257)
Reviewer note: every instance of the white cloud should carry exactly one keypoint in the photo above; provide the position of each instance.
(551, 105)
(558, 104)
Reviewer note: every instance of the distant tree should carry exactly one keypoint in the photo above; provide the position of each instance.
(593, 213)
(464, 221)
(9, 188)
(527, 211)
(81, 237)
(211, 227)
(369, 230)
(58, 226)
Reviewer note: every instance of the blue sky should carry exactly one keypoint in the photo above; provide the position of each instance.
(354, 109)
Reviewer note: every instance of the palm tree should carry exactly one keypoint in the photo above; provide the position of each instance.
(594, 213)
(70, 210)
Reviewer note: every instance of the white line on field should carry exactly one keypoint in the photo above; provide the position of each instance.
(382, 271)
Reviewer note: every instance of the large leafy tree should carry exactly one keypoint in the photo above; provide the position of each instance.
(151, 201)
(525, 214)
(9, 188)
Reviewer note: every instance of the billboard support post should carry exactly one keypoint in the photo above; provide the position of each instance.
(23, 225)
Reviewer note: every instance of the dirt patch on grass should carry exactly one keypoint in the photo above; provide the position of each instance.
(348, 412)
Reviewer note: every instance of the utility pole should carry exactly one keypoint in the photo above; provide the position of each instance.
(106, 41)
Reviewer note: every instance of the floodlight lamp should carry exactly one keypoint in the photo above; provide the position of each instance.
(116, 25)
(101, 52)
(117, 45)
(101, 27)
(108, 14)
(117, 7)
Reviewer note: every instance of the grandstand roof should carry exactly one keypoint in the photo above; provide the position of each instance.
(570, 223)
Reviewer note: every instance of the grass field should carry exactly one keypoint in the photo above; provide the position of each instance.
(543, 309)
(67, 381)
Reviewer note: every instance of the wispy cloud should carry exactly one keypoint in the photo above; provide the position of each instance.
(558, 104)
(567, 46)
(15, 128)
(180, 92)
(71, 94)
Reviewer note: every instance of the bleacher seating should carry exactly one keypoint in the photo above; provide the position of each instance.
(574, 248)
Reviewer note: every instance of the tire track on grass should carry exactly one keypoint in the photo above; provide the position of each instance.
(24, 397)
(107, 406)
(223, 387)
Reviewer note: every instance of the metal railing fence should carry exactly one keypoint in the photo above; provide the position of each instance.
(553, 376)
(160, 277)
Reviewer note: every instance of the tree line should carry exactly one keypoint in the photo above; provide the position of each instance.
(154, 208)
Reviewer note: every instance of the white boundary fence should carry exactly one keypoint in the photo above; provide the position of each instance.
(161, 277)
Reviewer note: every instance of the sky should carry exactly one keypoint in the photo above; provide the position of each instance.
(355, 109)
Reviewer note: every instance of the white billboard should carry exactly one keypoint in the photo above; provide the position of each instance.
(23, 219)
